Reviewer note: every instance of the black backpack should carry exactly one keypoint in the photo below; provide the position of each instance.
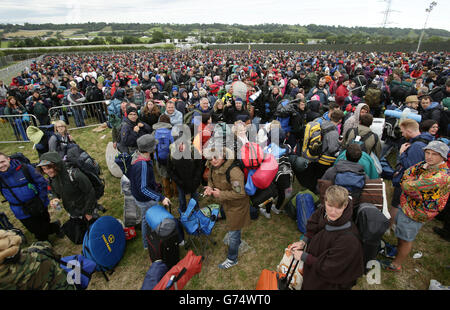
(80, 159)
(363, 139)
(371, 224)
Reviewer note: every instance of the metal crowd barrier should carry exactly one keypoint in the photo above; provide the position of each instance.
(13, 127)
(83, 115)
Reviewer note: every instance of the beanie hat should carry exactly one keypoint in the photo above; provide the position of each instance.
(439, 147)
(9, 244)
(131, 109)
(315, 98)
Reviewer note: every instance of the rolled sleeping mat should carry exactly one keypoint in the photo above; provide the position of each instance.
(405, 114)
(160, 220)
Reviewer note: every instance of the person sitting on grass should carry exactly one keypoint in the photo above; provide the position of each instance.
(426, 188)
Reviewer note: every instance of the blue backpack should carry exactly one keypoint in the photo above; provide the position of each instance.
(104, 243)
(283, 114)
(164, 137)
(305, 208)
(74, 263)
(195, 221)
(350, 180)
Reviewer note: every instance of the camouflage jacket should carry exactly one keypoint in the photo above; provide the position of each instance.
(33, 270)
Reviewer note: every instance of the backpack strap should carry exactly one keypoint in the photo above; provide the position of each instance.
(235, 163)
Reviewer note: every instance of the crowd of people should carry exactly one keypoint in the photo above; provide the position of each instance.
(146, 97)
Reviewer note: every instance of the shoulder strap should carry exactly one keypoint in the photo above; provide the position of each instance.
(228, 172)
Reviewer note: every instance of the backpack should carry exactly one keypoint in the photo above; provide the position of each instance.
(187, 119)
(123, 160)
(291, 206)
(353, 182)
(85, 266)
(361, 141)
(114, 113)
(305, 208)
(373, 97)
(252, 155)
(312, 141)
(104, 243)
(164, 138)
(79, 159)
(39, 109)
(391, 129)
(5, 224)
(283, 113)
(371, 224)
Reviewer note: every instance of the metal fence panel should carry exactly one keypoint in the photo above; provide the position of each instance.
(81, 115)
(13, 127)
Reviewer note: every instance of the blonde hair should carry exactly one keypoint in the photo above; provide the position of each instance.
(337, 196)
(60, 123)
(409, 124)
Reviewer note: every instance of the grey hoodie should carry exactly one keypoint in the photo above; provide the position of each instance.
(353, 120)
(330, 144)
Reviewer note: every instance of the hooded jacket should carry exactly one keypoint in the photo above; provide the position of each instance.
(353, 121)
(333, 258)
(330, 144)
(128, 136)
(15, 179)
(186, 172)
(344, 166)
(77, 193)
(433, 112)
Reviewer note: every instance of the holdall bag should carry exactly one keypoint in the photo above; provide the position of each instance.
(283, 266)
(104, 243)
(75, 229)
(272, 280)
(160, 220)
(180, 274)
(154, 274)
(85, 266)
(266, 172)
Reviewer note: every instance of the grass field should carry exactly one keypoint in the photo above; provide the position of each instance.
(267, 239)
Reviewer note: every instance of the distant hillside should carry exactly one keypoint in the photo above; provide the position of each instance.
(114, 33)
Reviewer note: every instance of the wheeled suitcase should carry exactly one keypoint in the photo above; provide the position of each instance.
(164, 248)
(272, 280)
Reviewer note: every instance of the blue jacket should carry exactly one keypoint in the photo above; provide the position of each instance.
(413, 155)
(196, 121)
(142, 180)
(15, 178)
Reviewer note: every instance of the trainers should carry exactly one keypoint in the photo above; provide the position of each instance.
(264, 212)
(387, 265)
(228, 263)
(275, 210)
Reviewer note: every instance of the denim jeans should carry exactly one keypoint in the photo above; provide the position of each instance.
(234, 243)
(144, 206)
(182, 198)
(78, 116)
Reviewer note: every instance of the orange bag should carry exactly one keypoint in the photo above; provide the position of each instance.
(267, 280)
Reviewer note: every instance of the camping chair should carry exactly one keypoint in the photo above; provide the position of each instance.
(198, 225)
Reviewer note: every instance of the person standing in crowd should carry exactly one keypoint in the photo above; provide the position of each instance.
(425, 191)
(70, 186)
(231, 195)
(142, 179)
(75, 98)
(131, 129)
(27, 195)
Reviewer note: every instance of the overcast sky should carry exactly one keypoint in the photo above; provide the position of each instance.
(369, 13)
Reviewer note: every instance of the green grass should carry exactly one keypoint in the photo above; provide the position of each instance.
(267, 240)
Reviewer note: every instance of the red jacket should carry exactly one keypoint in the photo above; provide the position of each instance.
(341, 93)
